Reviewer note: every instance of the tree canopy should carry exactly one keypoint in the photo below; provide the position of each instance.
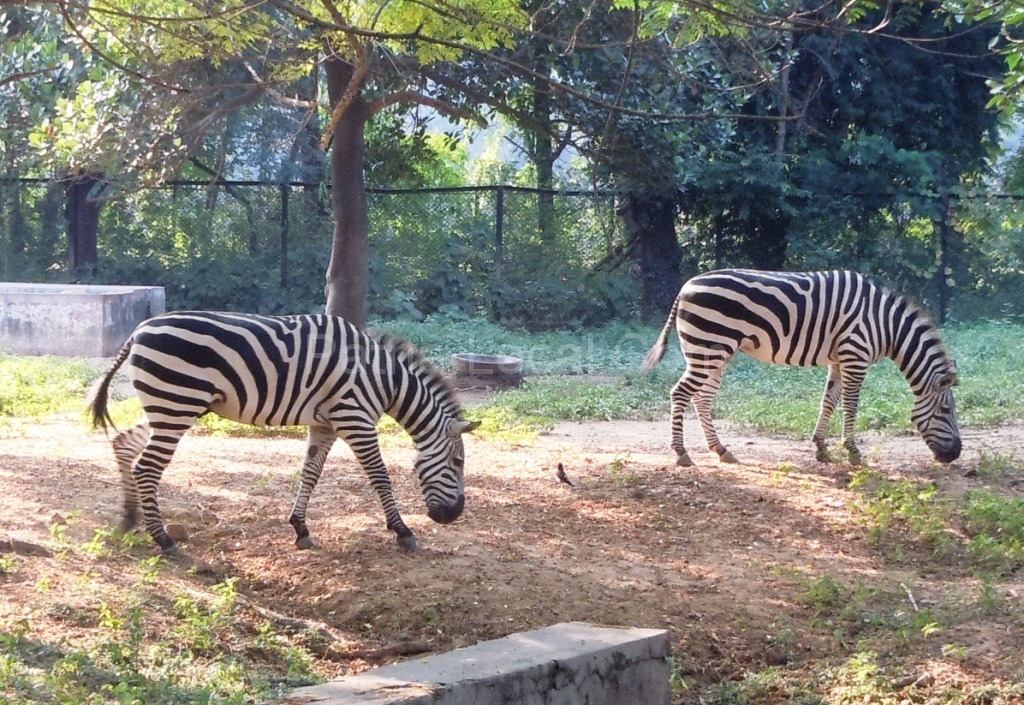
(777, 129)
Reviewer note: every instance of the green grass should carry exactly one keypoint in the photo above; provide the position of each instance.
(159, 641)
(33, 388)
(996, 526)
(767, 398)
(546, 400)
(901, 511)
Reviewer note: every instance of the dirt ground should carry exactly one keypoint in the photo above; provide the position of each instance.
(719, 555)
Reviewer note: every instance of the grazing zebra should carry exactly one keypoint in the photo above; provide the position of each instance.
(316, 371)
(839, 319)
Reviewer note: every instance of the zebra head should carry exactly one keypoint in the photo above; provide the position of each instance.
(439, 466)
(934, 413)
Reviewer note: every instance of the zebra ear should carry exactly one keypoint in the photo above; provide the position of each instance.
(947, 380)
(457, 427)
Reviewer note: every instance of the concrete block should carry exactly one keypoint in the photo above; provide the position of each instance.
(566, 664)
(73, 320)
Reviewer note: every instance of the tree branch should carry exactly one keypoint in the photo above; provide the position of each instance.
(109, 59)
(411, 96)
(15, 77)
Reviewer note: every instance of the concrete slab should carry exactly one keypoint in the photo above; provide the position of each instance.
(572, 663)
(73, 320)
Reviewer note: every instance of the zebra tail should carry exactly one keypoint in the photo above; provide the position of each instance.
(96, 399)
(656, 353)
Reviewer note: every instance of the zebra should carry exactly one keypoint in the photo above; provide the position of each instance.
(837, 318)
(306, 370)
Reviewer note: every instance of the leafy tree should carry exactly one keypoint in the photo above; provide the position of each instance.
(889, 121)
(37, 66)
(183, 68)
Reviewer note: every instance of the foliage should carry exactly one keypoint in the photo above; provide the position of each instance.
(993, 522)
(562, 399)
(198, 651)
(436, 253)
(915, 506)
(37, 387)
(858, 182)
(996, 526)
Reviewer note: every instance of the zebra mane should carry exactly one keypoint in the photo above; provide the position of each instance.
(411, 356)
(921, 317)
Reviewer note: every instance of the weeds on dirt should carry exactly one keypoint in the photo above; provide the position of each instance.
(138, 645)
(998, 465)
(996, 527)
(860, 613)
(36, 387)
(864, 678)
(915, 506)
(994, 523)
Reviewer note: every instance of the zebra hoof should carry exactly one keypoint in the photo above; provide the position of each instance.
(305, 543)
(172, 551)
(823, 456)
(407, 543)
(727, 457)
(683, 460)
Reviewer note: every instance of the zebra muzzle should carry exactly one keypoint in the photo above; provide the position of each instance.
(447, 513)
(948, 454)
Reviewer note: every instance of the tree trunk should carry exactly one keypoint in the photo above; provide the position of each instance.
(17, 227)
(652, 220)
(544, 160)
(83, 215)
(348, 272)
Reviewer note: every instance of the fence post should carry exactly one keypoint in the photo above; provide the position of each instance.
(944, 260)
(499, 226)
(285, 192)
(83, 218)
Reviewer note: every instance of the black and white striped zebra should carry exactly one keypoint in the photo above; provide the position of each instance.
(837, 318)
(316, 371)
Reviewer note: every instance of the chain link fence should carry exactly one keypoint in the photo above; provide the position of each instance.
(521, 256)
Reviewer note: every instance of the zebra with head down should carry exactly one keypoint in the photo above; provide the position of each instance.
(838, 318)
(317, 371)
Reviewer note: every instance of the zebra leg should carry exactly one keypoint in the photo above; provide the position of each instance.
(160, 447)
(363, 442)
(318, 444)
(703, 401)
(828, 404)
(687, 386)
(127, 446)
(852, 381)
(680, 399)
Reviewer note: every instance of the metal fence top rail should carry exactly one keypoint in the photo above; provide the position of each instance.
(327, 184)
(195, 183)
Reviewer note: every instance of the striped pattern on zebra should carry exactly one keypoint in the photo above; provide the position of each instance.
(316, 371)
(838, 318)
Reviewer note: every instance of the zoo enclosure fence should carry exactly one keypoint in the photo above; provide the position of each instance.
(252, 245)
(429, 246)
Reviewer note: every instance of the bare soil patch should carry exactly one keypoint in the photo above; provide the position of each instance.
(717, 554)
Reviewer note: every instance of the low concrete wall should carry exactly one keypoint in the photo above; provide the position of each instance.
(566, 664)
(73, 320)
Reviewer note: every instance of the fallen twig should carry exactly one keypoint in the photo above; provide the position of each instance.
(910, 596)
